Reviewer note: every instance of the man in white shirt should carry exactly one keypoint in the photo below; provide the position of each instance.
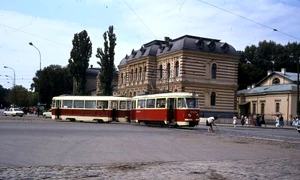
(209, 122)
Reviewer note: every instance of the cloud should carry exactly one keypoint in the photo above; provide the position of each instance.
(239, 23)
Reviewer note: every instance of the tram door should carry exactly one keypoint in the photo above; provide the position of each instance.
(57, 113)
(114, 107)
(171, 106)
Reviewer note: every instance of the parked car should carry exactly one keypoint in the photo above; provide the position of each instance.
(47, 114)
(13, 112)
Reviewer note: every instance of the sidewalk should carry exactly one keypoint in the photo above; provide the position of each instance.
(269, 126)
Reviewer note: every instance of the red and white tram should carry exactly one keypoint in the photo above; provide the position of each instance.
(175, 109)
(91, 108)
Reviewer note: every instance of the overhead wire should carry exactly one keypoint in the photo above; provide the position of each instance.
(274, 29)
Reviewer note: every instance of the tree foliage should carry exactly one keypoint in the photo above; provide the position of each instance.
(20, 97)
(3, 94)
(79, 60)
(53, 80)
(255, 61)
(107, 66)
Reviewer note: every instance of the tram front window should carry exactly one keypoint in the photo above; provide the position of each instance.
(181, 103)
(192, 103)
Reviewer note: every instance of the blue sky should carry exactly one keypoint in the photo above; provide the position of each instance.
(51, 24)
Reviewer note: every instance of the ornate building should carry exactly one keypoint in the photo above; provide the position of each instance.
(205, 66)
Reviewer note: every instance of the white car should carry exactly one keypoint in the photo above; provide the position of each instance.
(13, 112)
(47, 114)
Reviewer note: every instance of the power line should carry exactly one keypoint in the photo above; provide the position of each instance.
(33, 35)
(139, 18)
(273, 29)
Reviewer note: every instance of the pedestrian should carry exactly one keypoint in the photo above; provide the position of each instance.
(263, 120)
(242, 120)
(247, 121)
(210, 122)
(281, 121)
(277, 121)
(251, 119)
(234, 122)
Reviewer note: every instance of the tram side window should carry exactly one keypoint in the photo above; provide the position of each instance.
(134, 104)
(181, 103)
(141, 103)
(53, 105)
(150, 103)
(192, 102)
(90, 104)
(160, 103)
(114, 105)
(67, 103)
(122, 104)
(102, 104)
(129, 105)
(78, 103)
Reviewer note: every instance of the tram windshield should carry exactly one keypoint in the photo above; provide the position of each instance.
(192, 103)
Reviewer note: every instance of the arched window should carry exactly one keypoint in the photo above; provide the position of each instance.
(276, 81)
(131, 75)
(145, 70)
(141, 74)
(177, 69)
(214, 71)
(213, 99)
(136, 74)
(160, 72)
(121, 78)
(169, 70)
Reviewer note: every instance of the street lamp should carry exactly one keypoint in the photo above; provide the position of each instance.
(14, 79)
(31, 44)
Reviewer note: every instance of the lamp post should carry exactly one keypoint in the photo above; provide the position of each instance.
(14, 79)
(31, 44)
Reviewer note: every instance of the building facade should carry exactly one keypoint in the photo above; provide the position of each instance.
(205, 66)
(274, 95)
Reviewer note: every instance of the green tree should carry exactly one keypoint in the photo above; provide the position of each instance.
(79, 60)
(54, 80)
(107, 58)
(255, 61)
(3, 95)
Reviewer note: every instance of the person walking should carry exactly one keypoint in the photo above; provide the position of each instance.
(281, 121)
(242, 120)
(234, 122)
(263, 120)
(277, 121)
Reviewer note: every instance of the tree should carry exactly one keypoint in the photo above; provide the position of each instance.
(255, 61)
(107, 57)
(3, 95)
(79, 60)
(54, 80)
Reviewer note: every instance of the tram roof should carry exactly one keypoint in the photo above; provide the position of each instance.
(91, 98)
(171, 95)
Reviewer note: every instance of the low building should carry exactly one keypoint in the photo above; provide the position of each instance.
(205, 66)
(276, 94)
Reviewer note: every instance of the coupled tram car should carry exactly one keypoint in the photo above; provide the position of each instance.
(172, 109)
(91, 108)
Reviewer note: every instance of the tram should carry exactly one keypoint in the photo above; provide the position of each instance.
(173, 109)
(91, 108)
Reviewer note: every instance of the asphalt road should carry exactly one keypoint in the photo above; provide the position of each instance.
(31, 141)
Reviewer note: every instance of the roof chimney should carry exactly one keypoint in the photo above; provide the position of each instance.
(269, 72)
(283, 71)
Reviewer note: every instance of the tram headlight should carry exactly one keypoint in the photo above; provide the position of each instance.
(189, 115)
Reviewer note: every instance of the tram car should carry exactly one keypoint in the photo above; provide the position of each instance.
(91, 108)
(172, 109)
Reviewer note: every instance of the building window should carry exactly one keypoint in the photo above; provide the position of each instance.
(262, 110)
(160, 72)
(275, 81)
(213, 99)
(136, 74)
(145, 70)
(131, 75)
(121, 78)
(168, 70)
(277, 107)
(141, 74)
(253, 108)
(177, 69)
(214, 71)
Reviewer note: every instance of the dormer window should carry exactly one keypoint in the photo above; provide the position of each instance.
(143, 49)
(225, 47)
(133, 53)
(200, 43)
(211, 45)
(275, 81)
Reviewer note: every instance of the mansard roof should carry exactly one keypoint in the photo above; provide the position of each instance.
(187, 42)
(267, 89)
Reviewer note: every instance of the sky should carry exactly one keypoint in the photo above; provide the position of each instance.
(51, 24)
